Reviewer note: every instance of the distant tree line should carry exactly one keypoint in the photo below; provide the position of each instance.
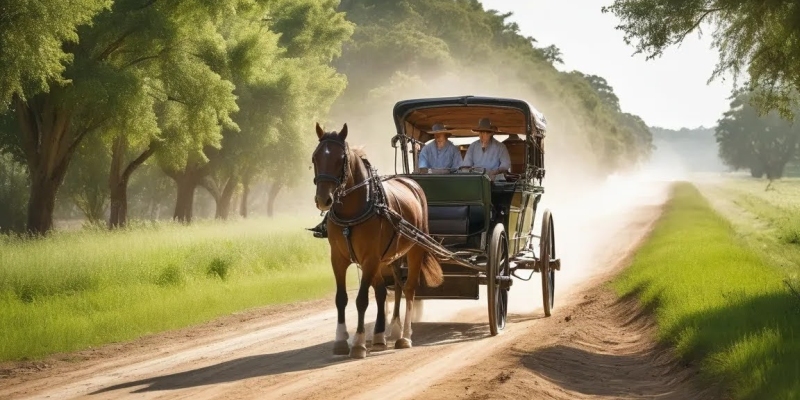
(763, 144)
(109, 108)
(690, 150)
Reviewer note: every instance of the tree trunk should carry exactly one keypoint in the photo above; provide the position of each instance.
(273, 193)
(152, 209)
(48, 142)
(187, 180)
(118, 212)
(118, 180)
(224, 199)
(245, 194)
(185, 201)
(41, 204)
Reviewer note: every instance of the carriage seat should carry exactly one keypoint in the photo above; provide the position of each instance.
(461, 220)
(516, 152)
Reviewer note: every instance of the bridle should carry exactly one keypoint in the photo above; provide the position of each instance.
(341, 180)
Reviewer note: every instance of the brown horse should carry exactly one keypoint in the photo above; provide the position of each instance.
(362, 231)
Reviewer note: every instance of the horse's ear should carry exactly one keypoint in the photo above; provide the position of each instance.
(320, 132)
(343, 132)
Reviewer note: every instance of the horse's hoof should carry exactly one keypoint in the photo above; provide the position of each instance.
(358, 352)
(379, 346)
(341, 348)
(402, 343)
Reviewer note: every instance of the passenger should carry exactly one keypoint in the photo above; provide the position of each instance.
(441, 153)
(487, 152)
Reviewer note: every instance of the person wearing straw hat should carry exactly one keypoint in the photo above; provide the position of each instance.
(487, 152)
(440, 153)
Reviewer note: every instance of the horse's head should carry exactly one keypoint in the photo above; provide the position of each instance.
(331, 166)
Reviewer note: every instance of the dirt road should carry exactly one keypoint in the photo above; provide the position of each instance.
(593, 345)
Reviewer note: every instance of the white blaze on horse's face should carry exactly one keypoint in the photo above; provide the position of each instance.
(329, 163)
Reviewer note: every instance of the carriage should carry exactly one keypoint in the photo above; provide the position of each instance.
(481, 231)
(442, 233)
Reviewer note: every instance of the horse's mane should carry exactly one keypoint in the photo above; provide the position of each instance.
(359, 151)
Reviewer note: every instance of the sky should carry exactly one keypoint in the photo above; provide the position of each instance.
(670, 92)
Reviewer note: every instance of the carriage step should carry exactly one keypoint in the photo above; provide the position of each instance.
(533, 263)
(505, 281)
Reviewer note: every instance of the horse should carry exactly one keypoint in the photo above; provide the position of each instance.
(363, 210)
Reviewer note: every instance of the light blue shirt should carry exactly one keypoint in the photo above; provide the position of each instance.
(494, 157)
(445, 158)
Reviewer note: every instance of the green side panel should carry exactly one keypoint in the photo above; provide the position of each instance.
(455, 188)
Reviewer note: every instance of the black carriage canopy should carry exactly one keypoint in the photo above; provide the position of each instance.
(460, 115)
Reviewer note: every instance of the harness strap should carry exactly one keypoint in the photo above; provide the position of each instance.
(346, 232)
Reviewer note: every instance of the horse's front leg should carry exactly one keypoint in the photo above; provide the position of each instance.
(379, 337)
(340, 265)
(359, 349)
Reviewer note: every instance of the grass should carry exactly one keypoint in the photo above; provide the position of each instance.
(778, 207)
(718, 301)
(75, 290)
(766, 220)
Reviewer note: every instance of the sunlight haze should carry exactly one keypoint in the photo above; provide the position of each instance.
(670, 91)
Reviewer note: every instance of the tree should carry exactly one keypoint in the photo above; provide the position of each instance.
(764, 144)
(753, 37)
(553, 55)
(32, 35)
(602, 88)
(132, 72)
(283, 80)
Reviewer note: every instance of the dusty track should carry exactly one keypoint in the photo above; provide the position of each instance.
(592, 346)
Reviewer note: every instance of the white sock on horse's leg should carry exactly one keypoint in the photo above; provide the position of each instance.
(341, 332)
(404, 342)
(360, 340)
(379, 339)
(407, 324)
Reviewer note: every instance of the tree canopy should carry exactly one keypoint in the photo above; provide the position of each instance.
(755, 38)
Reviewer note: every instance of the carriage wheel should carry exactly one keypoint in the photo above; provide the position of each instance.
(547, 252)
(498, 265)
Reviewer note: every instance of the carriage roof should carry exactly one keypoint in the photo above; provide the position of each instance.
(415, 117)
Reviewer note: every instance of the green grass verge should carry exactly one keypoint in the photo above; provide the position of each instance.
(74, 290)
(717, 301)
(778, 206)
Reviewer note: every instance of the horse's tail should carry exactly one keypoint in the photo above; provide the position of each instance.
(430, 271)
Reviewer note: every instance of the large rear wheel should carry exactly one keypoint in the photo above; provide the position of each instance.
(547, 252)
(497, 268)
